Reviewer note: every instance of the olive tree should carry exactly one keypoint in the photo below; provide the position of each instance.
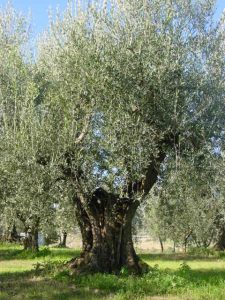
(188, 204)
(25, 178)
(127, 83)
(115, 90)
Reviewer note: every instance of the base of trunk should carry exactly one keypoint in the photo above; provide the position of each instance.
(220, 245)
(31, 241)
(88, 263)
(62, 243)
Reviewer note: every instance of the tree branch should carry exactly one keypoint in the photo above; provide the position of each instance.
(84, 131)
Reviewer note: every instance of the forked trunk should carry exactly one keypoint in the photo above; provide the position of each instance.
(106, 228)
(105, 222)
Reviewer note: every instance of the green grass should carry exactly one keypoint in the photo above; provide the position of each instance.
(172, 276)
(173, 262)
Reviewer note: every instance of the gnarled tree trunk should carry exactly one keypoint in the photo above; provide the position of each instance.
(106, 228)
(105, 222)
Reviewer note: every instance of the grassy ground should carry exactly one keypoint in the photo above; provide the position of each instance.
(171, 277)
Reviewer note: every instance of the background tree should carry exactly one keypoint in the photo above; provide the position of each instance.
(25, 177)
(189, 202)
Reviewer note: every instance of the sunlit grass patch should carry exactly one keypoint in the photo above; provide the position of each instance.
(173, 261)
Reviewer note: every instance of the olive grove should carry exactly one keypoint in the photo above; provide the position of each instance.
(115, 89)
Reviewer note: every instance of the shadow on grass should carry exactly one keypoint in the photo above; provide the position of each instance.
(26, 286)
(9, 254)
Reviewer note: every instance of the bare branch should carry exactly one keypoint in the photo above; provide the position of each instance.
(84, 131)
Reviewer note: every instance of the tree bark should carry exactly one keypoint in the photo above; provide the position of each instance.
(174, 247)
(220, 245)
(63, 240)
(31, 240)
(84, 225)
(161, 244)
(185, 246)
(13, 235)
(186, 240)
(105, 222)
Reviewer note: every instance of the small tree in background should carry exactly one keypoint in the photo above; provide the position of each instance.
(189, 203)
